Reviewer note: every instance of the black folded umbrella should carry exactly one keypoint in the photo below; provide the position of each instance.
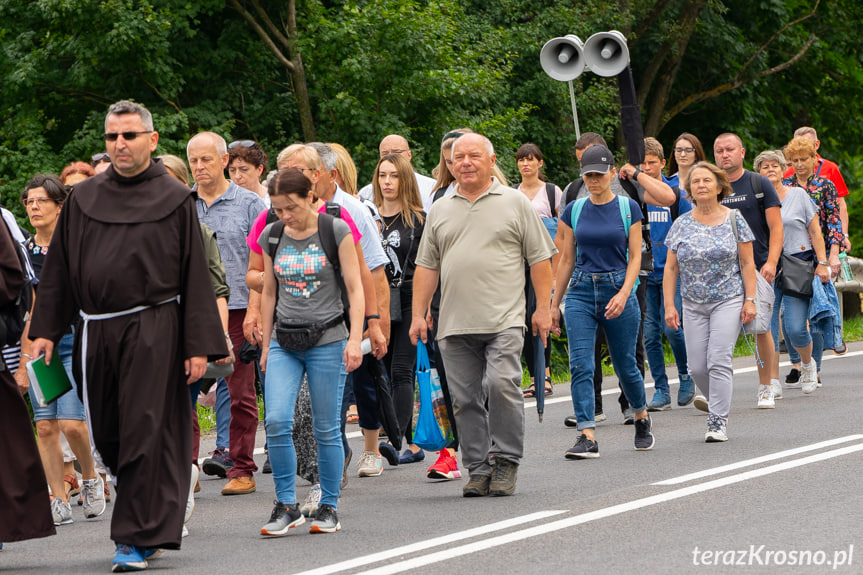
(386, 407)
(538, 354)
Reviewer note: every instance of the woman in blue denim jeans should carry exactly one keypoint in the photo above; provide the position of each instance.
(301, 287)
(601, 292)
(802, 239)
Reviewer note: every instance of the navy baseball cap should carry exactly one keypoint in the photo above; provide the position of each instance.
(596, 159)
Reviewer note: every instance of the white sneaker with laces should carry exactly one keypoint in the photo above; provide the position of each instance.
(777, 388)
(190, 501)
(93, 496)
(809, 377)
(370, 464)
(765, 397)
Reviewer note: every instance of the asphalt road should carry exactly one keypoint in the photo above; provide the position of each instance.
(782, 496)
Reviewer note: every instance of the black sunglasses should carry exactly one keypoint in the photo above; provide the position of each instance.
(451, 135)
(112, 136)
(243, 143)
(103, 157)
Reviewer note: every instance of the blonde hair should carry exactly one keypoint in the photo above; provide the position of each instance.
(310, 155)
(800, 146)
(346, 168)
(176, 166)
(409, 193)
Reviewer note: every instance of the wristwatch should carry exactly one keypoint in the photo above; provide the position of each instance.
(752, 299)
(635, 174)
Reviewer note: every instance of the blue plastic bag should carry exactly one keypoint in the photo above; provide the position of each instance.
(432, 429)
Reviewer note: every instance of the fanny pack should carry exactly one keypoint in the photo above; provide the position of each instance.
(300, 337)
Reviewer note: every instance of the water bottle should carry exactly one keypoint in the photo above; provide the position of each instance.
(846, 267)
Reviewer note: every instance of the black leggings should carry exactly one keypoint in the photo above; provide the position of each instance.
(400, 362)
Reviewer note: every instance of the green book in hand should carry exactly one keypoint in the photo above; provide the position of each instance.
(48, 381)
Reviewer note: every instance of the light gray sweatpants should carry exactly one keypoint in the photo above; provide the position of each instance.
(711, 332)
(480, 367)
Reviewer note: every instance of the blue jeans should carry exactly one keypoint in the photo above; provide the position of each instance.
(223, 415)
(654, 327)
(817, 337)
(326, 372)
(585, 309)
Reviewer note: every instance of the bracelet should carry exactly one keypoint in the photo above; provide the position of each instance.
(823, 263)
(752, 299)
(27, 355)
(373, 316)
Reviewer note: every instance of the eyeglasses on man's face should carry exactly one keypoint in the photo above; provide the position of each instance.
(112, 136)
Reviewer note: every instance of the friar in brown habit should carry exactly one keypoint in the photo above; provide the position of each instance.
(25, 509)
(127, 257)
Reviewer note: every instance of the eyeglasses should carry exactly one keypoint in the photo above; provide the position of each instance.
(451, 135)
(112, 136)
(36, 202)
(243, 143)
(683, 150)
(103, 157)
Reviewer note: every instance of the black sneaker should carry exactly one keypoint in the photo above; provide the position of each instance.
(477, 486)
(267, 467)
(389, 453)
(283, 518)
(326, 521)
(793, 376)
(503, 477)
(644, 439)
(218, 464)
(570, 421)
(584, 448)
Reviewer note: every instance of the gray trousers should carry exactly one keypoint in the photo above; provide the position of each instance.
(486, 369)
(711, 332)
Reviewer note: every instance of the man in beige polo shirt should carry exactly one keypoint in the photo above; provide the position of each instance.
(475, 242)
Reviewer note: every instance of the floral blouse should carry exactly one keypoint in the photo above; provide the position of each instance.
(823, 193)
(707, 256)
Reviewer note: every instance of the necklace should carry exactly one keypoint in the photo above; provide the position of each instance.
(393, 220)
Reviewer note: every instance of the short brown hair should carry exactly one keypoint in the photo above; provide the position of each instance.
(653, 147)
(725, 189)
(800, 146)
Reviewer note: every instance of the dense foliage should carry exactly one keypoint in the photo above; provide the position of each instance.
(421, 68)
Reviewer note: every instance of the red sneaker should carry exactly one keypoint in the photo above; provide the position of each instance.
(446, 467)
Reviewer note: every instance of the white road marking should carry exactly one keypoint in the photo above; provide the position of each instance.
(452, 552)
(437, 541)
(757, 460)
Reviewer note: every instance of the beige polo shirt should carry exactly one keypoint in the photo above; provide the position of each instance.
(479, 249)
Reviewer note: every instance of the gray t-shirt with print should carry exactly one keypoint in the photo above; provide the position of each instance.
(308, 289)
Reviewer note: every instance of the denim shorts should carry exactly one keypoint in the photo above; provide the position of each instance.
(67, 406)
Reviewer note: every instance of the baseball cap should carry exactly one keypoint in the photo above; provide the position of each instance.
(596, 159)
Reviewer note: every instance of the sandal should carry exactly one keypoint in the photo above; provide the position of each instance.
(72, 486)
(530, 391)
(352, 415)
(549, 388)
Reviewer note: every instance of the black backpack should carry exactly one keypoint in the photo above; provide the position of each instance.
(14, 316)
(327, 234)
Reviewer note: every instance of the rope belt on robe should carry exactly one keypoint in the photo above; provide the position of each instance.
(88, 317)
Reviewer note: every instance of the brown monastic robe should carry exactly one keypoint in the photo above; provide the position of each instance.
(121, 243)
(25, 510)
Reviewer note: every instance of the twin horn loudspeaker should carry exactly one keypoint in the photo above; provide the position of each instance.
(604, 53)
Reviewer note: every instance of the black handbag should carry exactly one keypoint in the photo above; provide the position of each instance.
(300, 337)
(797, 276)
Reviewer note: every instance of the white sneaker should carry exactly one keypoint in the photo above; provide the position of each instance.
(61, 511)
(700, 403)
(765, 397)
(809, 377)
(777, 388)
(715, 430)
(309, 508)
(185, 531)
(93, 497)
(370, 464)
(190, 501)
